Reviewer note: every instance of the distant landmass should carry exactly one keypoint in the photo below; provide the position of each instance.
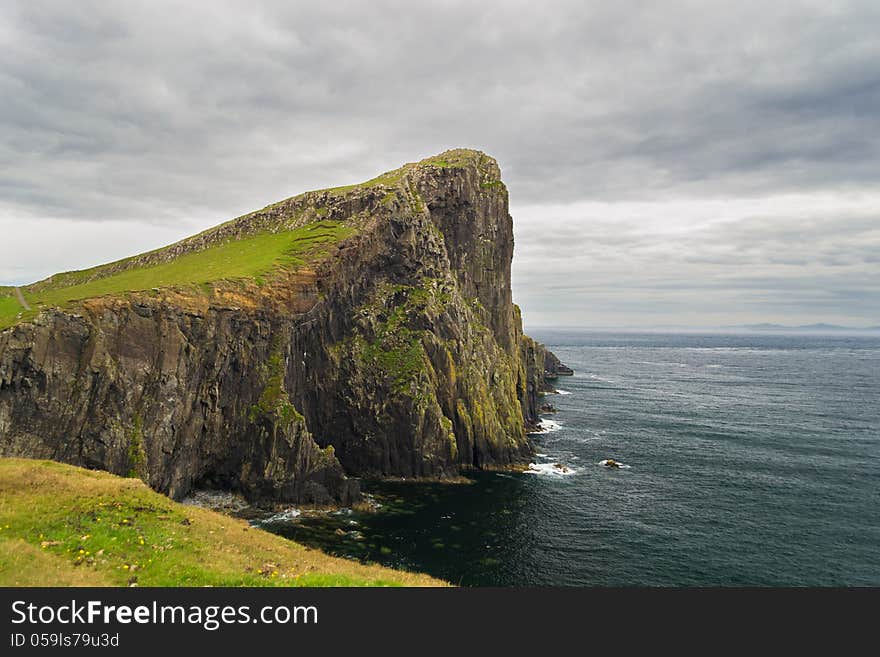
(805, 327)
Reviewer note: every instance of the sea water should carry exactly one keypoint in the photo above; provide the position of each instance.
(749, 460)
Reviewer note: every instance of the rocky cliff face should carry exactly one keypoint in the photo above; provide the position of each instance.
(397, 352)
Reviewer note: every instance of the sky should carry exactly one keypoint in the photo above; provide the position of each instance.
(676, 163)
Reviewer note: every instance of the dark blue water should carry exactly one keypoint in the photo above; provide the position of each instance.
(754, 460)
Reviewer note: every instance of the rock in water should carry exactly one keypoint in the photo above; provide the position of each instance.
(382, 340)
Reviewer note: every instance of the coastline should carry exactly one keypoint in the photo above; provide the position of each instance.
(61, 525)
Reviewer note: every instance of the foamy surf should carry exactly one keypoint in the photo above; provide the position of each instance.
(563, 392)
(548, 426)
(554, 469)
(600, 379)
(282, 516)
(622, 466)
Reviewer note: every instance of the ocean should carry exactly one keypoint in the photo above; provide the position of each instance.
(750, 460)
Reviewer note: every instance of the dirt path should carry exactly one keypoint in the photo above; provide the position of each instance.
(20, 297)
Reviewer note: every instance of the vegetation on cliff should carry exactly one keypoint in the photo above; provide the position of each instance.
(365, 330)
(10, 308)
(251, 258)
(65, 526)
(286, 235)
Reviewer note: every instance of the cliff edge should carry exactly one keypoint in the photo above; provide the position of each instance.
(366, 330)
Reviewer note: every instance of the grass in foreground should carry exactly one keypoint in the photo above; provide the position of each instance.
(66, 526)
(249, 258)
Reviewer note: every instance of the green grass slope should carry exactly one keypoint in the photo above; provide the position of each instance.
(244, 259)
(9, 308)
(66, 526)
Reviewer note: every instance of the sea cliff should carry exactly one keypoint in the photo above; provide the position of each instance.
(378, 338)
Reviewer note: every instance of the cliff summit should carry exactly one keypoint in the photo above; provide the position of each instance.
(365, 330)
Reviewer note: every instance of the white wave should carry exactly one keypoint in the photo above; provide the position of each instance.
(541, 456)
(623, 466)
(562, 392)
(596, 377)
(593, 434)
(216, 500)
(548, 426)
(555, 469)
(282, 516)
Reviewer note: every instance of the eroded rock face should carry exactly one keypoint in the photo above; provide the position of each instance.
(165, 394)
(399, 354)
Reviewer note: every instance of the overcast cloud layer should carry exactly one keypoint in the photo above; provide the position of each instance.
(668, 163)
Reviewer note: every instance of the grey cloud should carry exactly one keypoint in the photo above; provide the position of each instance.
(796, 261)
(169, 117)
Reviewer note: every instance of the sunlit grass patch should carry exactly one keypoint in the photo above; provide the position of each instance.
(251, 258)
(61, 525)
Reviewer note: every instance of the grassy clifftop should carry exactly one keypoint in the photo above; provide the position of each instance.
(66, 526)
(249, 258)
(283, 236)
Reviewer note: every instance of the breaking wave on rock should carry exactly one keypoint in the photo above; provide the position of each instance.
(282, 516)
(547, 426)
(618, 464)
(554, 469)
